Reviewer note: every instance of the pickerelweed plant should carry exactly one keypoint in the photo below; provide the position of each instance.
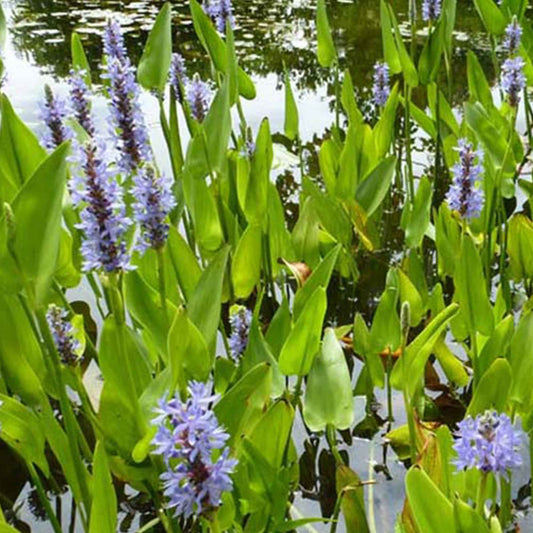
(198, 294)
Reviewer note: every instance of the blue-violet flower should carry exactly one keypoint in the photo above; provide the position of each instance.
(62, 333)
(95, 190)
(188, 437)
(489, 443)
(381, 87)
(240, 320)
(463, 195)
(153, 202)
(198, 97)
(513, 35)
(80, 101)
(54, 112)
(431, 10)
(513, 79)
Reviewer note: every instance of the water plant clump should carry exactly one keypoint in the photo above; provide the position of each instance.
(209, 316)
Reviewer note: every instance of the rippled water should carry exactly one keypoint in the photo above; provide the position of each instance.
(268, 35)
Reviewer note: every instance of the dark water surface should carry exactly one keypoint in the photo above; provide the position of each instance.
(268, 35)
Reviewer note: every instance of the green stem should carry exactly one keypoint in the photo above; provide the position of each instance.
(332, 441)
(337, 96)
(407, 134)
(162, 283)
(480, 498)
(66, 410)
(115, 299)
(505, 511)
(42, 496)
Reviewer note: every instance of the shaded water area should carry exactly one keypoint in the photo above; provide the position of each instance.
(269, 35)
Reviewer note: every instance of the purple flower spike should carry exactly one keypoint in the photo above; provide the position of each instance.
(513, 79)
(103, 215)
(80, 101)
(220, 11)
(62, 333)
(463, 195)
(54, 112)
(431, 10)
(187, 435)
(114, 47)
(489, 443)
(240, 320)
(154, 201)
(513, 36)
(178, 76)
(127, 120)
(381, 87)
(198, 97)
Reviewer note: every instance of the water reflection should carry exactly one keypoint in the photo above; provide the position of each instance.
(268, 34)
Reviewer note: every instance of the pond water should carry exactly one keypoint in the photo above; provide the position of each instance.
(268, 36)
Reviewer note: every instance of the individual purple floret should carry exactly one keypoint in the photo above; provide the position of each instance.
(153, 202)
(62, 333)
(240, 320)
(463, 195)
(381, 87)
(489, 443)
(127, 120)
(187, 435)
(113, 41)
(431, 10)
(513, 35)
(198, 98)
(177, 76)
(513, 79)
(103, 215)
(54, 112)
(220, 11)
(80, 101)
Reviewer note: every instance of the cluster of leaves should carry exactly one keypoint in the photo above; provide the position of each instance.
(235, 234)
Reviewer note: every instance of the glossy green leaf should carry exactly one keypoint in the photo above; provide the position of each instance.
(184, 262)
(291, 111)
(37, 211)
(187, 350)
(409, 372)
(427, 502)
(471, 291)
(123, 365)
(144, 304)
(430, 59)
(522, 360)
(252, 181)
(246, 266)
(491, 16)
(23, 432)
(328, 158)
(302, 344)
(326, 52)
(79, 58)
(468, 519)
(319, 277)
(408, 69)
(216, 48)
(416, 215)
(204, 304)
(104, 506)
(385, 332)
(154, 65)
(453, 368)
(478, 86)
(348, 99)
(207, 150)
(21, 363)
(390, 51)
(373, 189)
(497, 345)
(492, 391)
(240, 407)
(3, 29)
(353, 502)
(328, 394)
(20, 152)
(410, 294)
(520, 247)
